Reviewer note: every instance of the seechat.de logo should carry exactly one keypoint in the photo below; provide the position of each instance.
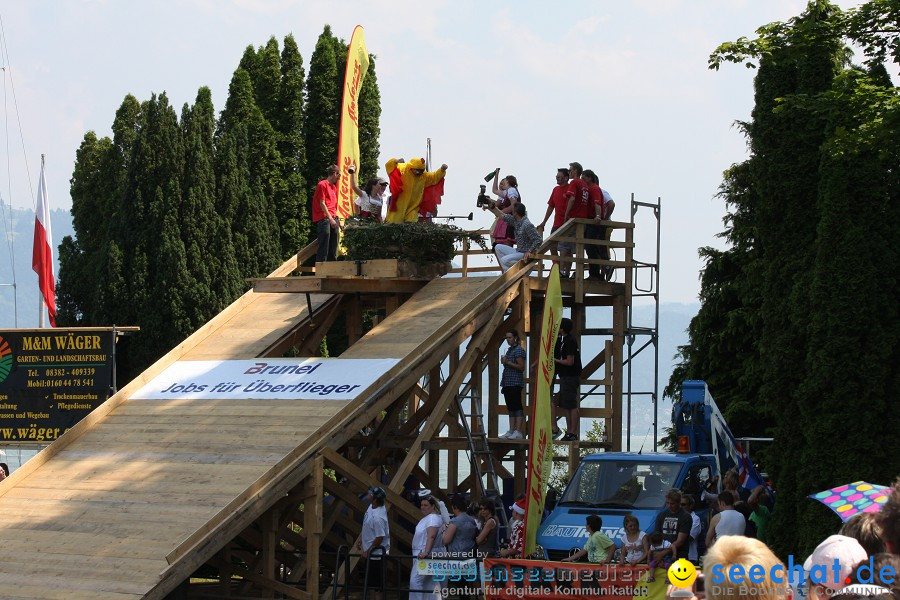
(6, 359)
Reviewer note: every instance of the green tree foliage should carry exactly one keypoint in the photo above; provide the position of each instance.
(292, 211)
(797, 334)
(172, 214)
(323, 110)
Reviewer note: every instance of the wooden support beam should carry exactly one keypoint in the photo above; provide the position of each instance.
(269, 525)
(452, 385)
(312, 523)
(353, 319)
(365, 480)
(268, 584)
(336, 285)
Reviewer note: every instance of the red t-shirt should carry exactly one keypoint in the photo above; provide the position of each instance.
(559, 201)
(328, 191)
(582, 209)
(596, 195)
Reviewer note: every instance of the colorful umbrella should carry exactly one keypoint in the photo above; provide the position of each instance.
(854, 498)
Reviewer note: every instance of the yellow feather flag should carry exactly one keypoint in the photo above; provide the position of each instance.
(348, 144)
(540, 452)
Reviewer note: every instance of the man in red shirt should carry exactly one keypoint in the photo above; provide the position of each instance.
(557, 206)
(324, 214)
(603, 207)
(596, 231)
(579, 202)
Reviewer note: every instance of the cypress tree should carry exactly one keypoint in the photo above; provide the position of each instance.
(247, 177)
(199, 211)
(289, 125)
(156, 165)
(267, 80)
(322, 111)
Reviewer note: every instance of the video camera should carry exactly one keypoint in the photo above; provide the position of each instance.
(483, 198)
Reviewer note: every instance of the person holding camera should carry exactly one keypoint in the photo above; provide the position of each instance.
(324, 213)
(371, 198)
(507, 192)
(528, 240)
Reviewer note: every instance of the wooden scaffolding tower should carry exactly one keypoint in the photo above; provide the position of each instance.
(213, 499)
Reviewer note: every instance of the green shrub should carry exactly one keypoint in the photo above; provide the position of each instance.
(420, 243)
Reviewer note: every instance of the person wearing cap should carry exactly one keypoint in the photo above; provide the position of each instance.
(557, 207)
(369, 199)
(375, 533)
(517, 537)
(821, 580)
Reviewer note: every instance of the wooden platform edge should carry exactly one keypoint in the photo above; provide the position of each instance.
(99, 413)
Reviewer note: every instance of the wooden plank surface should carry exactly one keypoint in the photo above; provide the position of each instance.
(418, 319)
(113, 501)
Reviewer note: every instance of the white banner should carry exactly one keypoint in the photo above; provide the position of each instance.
(267, 379)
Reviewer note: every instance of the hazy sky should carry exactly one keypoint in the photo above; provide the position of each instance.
(621, 86)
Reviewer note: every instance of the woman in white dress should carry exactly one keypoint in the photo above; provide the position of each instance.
(426, 543)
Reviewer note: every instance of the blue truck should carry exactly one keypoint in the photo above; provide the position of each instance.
(614, 484)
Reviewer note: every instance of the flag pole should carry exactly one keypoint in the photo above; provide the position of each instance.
(41, 305)
(42, 253)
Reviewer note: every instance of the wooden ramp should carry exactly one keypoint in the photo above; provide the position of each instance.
(131, 501)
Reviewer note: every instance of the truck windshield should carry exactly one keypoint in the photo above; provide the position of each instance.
(625, 484)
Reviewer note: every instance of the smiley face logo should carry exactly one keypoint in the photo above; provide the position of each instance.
(682, 573)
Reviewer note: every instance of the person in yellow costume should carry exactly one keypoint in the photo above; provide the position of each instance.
(408, 183)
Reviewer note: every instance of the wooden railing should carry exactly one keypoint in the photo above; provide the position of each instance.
(572, 231)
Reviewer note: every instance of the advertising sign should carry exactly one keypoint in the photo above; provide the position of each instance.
(510, 578)
(267, 379)
(50, 379)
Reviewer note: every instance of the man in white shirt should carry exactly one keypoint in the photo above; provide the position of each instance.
(687, 503)
(374, 533)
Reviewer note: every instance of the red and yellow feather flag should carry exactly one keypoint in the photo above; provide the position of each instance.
(540, 451)
(348, 143)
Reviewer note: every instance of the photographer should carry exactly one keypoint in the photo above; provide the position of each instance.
(527, 237)
(370, 199)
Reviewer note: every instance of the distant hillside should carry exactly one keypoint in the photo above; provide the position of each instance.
(21, 230)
